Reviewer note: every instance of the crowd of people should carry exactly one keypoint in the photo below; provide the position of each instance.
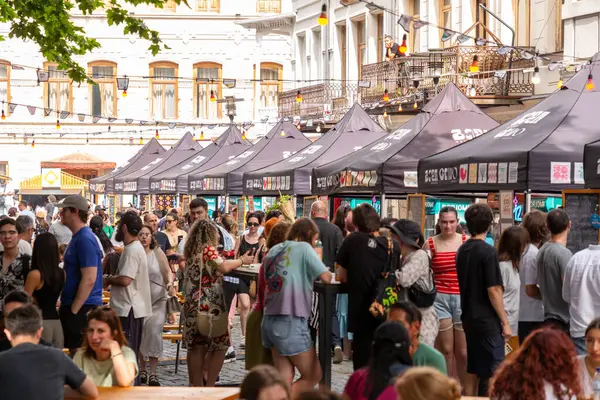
(450, 315)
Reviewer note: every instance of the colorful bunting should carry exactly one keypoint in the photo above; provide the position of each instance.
(11, 107)
(447, 35)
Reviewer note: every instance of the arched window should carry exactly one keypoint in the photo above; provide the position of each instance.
(103, 93)
(271, 75)
(163, 90)
(5, 68)
(58, 91)
(207, 78)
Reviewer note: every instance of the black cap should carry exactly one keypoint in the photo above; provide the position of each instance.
(408, 231)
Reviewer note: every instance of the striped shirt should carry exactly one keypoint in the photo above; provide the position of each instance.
(443, 264)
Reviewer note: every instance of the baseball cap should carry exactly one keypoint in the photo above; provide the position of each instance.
(74, 201)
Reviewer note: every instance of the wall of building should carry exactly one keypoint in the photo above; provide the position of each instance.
(581, 29)
(192, 36)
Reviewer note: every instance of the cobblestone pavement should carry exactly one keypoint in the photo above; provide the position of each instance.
(232, 372)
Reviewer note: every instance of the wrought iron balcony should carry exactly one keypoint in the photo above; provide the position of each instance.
(324, 101)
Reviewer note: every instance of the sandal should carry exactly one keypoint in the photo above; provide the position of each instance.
(143, 377)
(153, 381)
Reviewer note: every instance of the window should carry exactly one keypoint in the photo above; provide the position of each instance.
(343, 51)
(207, 77)
(380, 37)
(479, 15)
(415, 34)
(103, 94)
(559, 38)
(5, 83)
(271, 75)
(522, 10)
(209, 6)
(58, 91)
(268, 6)
(4, 168)
(318, 54)
(445, 20)
(163, 90)
(170, 5)
(361, 38)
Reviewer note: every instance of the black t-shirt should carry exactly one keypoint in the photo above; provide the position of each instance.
(478, 269)
(163, 241)
(364, 257)
(31, 371)
(331, 237)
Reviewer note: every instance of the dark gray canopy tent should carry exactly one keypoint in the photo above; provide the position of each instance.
(389, 165)
(147, 154)
(282, 141)
(591, 165)
(540, 150)
(175, 179)
(293, 175)
(139, 181)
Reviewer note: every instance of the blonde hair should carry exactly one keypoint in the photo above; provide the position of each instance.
(425, 383)
(202, 234)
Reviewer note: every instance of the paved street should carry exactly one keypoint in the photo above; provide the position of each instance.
(232, 372)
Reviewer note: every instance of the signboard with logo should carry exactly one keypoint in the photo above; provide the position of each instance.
(433, 206)
(51, 178)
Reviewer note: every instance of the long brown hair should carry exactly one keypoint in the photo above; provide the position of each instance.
(108, 316)
(202, 234)
(303, 230)
(259, 378)
(424, 383)
(547, 355)
(535, 223)
(278, 234)
(512, 244)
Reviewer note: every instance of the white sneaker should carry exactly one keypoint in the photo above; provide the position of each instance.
(243, 342)
(230, 355)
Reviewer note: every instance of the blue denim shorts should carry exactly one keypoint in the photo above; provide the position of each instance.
(448, 306)
(289, 335)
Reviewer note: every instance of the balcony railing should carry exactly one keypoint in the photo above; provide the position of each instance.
(412, 78)
(324, 101)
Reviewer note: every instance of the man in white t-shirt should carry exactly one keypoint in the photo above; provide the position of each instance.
(130, 288)
(24, 210)
(581, 290)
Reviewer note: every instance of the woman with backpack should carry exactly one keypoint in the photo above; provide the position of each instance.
(416, 276)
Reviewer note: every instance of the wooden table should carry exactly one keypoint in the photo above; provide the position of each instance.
(166, 393)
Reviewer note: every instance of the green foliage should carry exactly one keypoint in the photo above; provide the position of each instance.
(283, 199)
(48, 23)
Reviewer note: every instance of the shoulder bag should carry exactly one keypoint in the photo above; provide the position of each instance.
(422, 294)
(385, 290)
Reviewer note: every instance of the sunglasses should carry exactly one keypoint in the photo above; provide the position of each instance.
(254, 224)
(170, 220)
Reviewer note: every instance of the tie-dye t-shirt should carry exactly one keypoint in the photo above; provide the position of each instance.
(290, 269)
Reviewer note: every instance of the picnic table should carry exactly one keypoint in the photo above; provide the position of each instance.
(163, 393)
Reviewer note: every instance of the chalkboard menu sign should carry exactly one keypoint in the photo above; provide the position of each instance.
(307, 203)
(185, 203)
(581, 205)
(416, 208)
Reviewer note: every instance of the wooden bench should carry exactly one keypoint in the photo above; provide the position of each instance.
(171, 327)
(173, 337)
(163, 393)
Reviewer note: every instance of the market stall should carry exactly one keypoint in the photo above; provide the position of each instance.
(541, 150)
(293, 175)
(282, 142)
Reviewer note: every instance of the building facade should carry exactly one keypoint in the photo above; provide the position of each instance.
(581, 28)
(210, 41)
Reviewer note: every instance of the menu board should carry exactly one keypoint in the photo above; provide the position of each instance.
(581, 205)
(306, 204)
(112, 210)
(185, 203)
(241, 213)
(416, 208)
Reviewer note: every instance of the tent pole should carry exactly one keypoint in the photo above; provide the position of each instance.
(226, 203)
(382, 213)
(527, 201)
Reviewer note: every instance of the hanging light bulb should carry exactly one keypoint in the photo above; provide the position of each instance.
(124, 93)
(141, 140)
(87, 139)
(3, 116)
(298, 126)
(475, 64)
(243, 134)
(201, 135)
(319, 128)
(282, 133)
(400, 108)
(472, 91)
(323, 17)
(299, 97)
(57, 124)
(535, 79)
(385, 115)
(109, 128)
(386, 96)
(33, 143)
(560, 83)
(403, 47)
(590, 82)
(212, 96)
(415, 106)
(156, 135)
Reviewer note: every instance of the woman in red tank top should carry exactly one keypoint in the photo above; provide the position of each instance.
(451, 340)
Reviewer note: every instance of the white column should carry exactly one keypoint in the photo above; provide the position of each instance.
(257, 60)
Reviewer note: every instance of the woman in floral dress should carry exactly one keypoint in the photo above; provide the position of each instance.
(205, 329)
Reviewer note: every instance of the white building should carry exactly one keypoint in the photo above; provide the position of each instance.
(581, 28)
(210, 41)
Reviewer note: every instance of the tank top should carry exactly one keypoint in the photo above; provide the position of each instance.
(245, 246)
(443, 264)
(46, 299)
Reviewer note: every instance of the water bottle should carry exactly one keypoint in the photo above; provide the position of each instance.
(596, 384)
(319, 248)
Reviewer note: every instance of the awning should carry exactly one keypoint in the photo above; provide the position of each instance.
(78, 161)
(273, 23)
